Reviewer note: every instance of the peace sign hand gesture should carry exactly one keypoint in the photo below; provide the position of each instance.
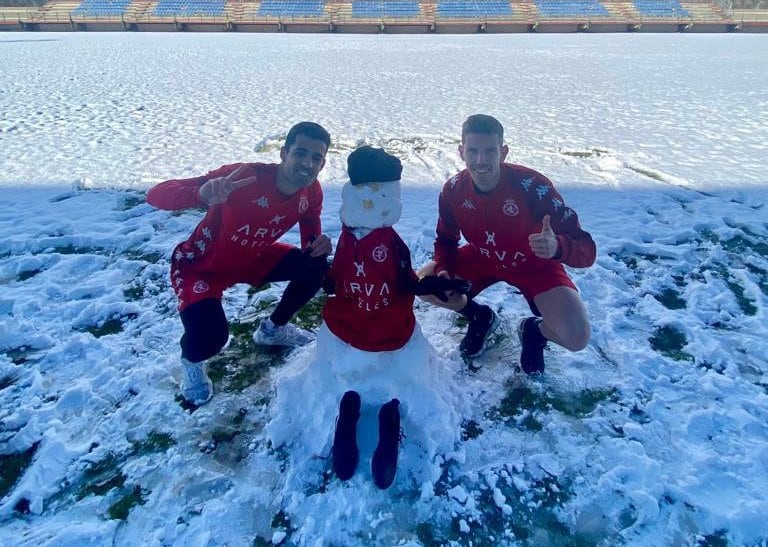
(544, 244)
(216, 191)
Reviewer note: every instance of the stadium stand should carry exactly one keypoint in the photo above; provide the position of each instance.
(661, 9)
(473, 8)
(388, 16)
(101, 7)
(571, 8)
(211, 8)
(385, 8)
(292, 8)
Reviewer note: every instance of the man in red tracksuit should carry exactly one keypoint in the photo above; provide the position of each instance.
(517, 230)
(249, 206)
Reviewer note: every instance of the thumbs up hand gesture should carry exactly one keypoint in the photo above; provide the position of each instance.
(216, 191)
(544, 244)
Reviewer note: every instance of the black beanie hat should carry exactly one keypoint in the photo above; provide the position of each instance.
(368, 164)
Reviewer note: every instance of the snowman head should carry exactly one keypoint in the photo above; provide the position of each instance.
(371, 198)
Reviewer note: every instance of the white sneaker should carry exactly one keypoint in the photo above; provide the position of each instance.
(269, 334)
(196, 387)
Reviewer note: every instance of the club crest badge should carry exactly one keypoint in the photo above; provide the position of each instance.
(303, 205)
(380, 253)
(510, 208)
(200, 287)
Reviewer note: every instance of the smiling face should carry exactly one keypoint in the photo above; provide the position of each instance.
(483, 154)
(300, 164)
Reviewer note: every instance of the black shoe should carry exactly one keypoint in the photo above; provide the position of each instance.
(344, 452)
(532, 344)
(480, 328)
(384, 462)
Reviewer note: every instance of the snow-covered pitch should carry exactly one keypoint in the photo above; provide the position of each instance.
(656, 434)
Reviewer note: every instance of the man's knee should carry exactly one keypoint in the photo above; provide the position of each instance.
(576, 336)
(205, 330)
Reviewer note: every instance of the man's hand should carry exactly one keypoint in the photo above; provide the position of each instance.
(441, 286)
(544, 244)
(216, 191)
(320, 246)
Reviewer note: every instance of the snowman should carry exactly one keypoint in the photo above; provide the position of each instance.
(371, 371)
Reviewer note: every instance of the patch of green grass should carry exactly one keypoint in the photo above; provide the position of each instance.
(28, 274)
(12, 466)
(122, 507)
(670, 342)
(154, 442)
(740, 244)
(102, 476)
(746, 304)
(523, 401)
(470, 429)
(715, 539)
(581, 403)
(646, 172)
(19, 355)
(224, 435)
(134, 293)
(129, 201)
(310, 315)
(106, 474)
(243, 363)
(670, 299)
(584, 153)
(7, 380)
(709, 236)
(110, 326)
(75, 250)
(535, 512)
(255, 290)
(150, 257)
(762, 277)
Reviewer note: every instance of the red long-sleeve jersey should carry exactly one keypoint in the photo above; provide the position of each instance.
(498, 223)
(371, 308)
(232, 235)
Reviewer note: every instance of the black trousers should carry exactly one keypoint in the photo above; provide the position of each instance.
(205, 326)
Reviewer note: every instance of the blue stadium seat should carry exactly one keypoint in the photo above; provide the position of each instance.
(661, 8)
(292, 8)
(385, 8)
(571, 8)
(190, 7)
(101, 7)
(474, 8)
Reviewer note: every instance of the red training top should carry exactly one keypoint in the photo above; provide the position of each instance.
(371, 308)
(233, 234)
(498, 223)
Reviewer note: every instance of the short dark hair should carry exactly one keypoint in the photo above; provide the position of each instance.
(483, 124)
(308, 129)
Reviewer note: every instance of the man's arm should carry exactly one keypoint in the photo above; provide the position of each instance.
(575, 247)
(173, 195)
(447, 240)
(211, 189)
(313, 241)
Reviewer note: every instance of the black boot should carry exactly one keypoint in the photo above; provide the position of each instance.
(344, 452)
(532, 344)
(482, 323)
(384, 462)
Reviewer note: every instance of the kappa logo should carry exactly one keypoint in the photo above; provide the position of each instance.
(303, 205)
(200, 287)
(510, 208)
(380, 253)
